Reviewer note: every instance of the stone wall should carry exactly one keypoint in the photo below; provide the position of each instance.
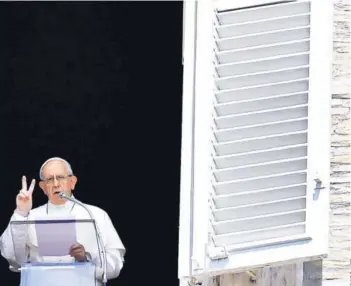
(337, 265)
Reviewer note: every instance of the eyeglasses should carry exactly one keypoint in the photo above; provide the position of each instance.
(59, 178)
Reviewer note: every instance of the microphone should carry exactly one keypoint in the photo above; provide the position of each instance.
(104, 260)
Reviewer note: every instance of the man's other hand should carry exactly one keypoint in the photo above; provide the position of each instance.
(78, 252)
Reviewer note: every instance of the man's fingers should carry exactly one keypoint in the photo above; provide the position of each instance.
(23, 194)
(24, 190)
(77, 248)
(24, 183)
(77, 253)
(22, 197)
(31, 187)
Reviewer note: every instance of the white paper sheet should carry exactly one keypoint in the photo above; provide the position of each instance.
(55, 236)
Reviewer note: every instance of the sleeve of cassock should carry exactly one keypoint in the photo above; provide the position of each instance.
(13, 242)
(115, 250)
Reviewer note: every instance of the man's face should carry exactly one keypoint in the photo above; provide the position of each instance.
(57, 180)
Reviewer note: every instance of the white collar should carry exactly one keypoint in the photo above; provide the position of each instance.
(68, 205)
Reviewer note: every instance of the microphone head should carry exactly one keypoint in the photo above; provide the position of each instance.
(62, 195)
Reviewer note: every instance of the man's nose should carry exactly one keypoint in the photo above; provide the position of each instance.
(56, 182)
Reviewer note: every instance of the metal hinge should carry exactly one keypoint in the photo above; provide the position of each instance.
(196, 265)
(318, 180)
(190, 282)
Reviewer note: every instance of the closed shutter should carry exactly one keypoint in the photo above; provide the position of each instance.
(260, 135)
(260, 124)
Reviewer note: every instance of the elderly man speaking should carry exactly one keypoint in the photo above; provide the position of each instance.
(56, 176)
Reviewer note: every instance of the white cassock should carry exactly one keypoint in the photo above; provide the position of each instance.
(24, 241)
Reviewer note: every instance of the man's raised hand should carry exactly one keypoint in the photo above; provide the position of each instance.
(24, 197)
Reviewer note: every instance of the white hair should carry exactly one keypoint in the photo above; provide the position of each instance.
(70, 172)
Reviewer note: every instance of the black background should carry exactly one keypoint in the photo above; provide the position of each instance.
(99, 84)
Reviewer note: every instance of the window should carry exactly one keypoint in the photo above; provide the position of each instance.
(255, 134)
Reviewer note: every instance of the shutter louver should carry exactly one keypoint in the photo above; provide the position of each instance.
(260, 125)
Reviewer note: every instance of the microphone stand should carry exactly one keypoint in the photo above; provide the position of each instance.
(104, 260)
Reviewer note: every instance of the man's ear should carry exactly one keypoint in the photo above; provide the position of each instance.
(42, 186)
(73, 181)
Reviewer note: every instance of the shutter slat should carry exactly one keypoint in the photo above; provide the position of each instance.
(258, 183)
(266, 77)
(261, 13)
(279, 101)
(258, 222)
(263, 169)
(264, 51)
(263, 90)
(263, 64)
(265, 129)
(266, 155)
(259, 209)
(261, 116)
(255, 235)
(259, 196)
(265, 38)
(269, 242)
(260, 143)
(265, 25)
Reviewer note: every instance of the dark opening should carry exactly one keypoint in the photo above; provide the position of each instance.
(99, 84)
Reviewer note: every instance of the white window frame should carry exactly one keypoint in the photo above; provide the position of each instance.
(197, 79)
(186, 185)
